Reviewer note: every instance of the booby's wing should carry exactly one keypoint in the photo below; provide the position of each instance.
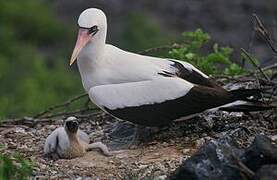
(156, 102)
(191, 74)
(52, 141)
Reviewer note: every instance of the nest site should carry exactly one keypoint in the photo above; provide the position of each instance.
(158, 155)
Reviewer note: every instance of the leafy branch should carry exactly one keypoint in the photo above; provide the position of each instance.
(215, 62)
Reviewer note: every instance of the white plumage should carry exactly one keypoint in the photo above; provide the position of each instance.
(100, 63)
(132, 94)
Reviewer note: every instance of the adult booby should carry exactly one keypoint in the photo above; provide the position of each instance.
(141, 89)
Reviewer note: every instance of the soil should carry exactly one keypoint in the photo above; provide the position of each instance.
(154, 158)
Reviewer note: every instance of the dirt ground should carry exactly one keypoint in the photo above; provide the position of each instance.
(155, 159)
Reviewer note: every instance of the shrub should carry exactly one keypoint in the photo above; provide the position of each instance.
(14, 167)
(213, 63)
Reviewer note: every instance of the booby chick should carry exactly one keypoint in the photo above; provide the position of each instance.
(70, 142)
(145, 90)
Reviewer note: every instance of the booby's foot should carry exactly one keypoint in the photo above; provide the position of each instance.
(123, 135)
(51, 156)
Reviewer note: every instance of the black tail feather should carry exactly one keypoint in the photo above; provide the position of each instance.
(253, 99)
(245, 94)
(247, 108)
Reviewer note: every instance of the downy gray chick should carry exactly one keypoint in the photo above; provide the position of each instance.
(70, 142)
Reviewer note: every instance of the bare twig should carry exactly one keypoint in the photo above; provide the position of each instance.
(50, 109)
(263, 32)
(80, 111)
(251, 42)
(242, 167)
(28, 121)
(164, 47)
(88, 115)
(272, 66)
(249, 57)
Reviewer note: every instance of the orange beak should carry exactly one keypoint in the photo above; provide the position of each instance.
(82, 40)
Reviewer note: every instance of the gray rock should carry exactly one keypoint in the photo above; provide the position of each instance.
(266, 172)
(261, 152)
(212, 161)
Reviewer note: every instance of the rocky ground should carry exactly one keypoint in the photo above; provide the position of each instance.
(155, 157)
(150, 159)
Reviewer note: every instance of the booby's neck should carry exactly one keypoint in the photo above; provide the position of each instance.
(93, 50)
(90, 57)
(73, 138)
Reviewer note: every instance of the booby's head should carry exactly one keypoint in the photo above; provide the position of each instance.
(92, 27)
(71, 125)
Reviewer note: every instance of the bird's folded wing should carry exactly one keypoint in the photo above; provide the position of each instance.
(51, 142)
(134, 94)
(191, 74)
(157, 102)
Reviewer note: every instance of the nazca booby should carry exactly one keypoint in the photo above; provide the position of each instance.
(145, 90)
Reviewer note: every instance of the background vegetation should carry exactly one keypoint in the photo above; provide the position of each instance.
(33, 49)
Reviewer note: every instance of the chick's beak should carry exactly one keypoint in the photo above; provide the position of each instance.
(82, 40)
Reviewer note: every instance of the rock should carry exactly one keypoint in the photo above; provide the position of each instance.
(162, 177)
(186, 151)
(20, 130)
(212, 161)
(43, 166)
(261, 152)
(274, 138)
(142, 166)
(200, 142)
(266, 172)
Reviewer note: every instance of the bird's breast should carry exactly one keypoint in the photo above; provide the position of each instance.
(116, 75)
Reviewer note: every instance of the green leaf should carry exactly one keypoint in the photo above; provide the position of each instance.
(216, 61)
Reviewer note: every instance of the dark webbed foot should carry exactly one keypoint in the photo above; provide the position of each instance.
(123, 135)
(52, 156)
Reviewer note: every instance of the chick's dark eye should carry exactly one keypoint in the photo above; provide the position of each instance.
(93, 30)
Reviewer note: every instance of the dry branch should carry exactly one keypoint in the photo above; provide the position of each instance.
(263, 32)
(249, 57)
(160, 48)
(52, 108)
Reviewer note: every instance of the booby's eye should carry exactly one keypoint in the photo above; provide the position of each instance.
(93, 30)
